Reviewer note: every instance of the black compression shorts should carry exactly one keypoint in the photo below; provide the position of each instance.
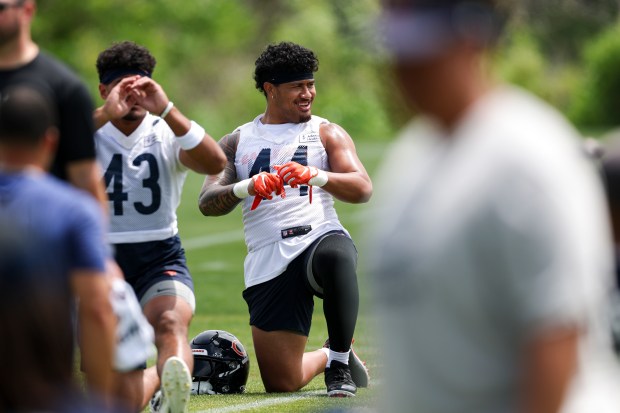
(286, 302)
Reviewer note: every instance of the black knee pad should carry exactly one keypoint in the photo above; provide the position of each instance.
(334, 254)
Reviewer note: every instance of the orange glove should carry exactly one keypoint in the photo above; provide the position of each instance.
(296, 174)
(265, 184)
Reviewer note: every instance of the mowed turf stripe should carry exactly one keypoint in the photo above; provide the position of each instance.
(213, 239)
(265, 402)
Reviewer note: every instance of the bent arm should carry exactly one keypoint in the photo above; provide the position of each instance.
(348, 180)
(216, 196)
(97, 328)
(100, 117)
(205, 158)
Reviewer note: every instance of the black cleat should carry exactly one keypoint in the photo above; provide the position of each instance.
(359, 371)
(338, 380)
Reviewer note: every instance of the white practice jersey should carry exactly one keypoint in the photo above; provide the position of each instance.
(282, 228)
(143, 178)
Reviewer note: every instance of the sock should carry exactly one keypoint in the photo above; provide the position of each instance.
(341, 357)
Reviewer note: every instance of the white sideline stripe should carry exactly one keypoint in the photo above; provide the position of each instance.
(266, 402)
(213, 239)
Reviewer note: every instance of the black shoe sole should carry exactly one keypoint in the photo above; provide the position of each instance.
(359, 372)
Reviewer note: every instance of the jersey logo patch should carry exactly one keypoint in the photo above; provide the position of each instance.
(296, 231)
(309, 137)
(151, 139)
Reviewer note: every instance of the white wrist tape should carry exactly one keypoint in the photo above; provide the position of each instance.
(166, 111)
(240, 189)
(192, 138)
(319, 180)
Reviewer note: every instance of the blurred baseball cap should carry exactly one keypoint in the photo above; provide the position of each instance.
(419, 29)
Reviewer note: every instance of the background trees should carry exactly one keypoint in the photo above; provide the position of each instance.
(566, 51)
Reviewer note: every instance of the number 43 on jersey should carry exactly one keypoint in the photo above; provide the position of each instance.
(114, 176)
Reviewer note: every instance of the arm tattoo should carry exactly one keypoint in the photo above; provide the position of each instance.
(216, 195)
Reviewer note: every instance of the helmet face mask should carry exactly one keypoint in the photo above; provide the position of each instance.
(221, 364)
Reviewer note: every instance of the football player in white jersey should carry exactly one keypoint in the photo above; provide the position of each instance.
(146, 145)
(297, 247)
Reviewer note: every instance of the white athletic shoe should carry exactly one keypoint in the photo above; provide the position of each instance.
(176, 383)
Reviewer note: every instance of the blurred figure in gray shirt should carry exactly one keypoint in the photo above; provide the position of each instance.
(491, 248)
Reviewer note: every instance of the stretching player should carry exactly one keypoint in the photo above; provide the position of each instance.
(145, 160)
(297, 248)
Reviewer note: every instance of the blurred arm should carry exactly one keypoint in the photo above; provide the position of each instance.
(550, 361)
(97, 328)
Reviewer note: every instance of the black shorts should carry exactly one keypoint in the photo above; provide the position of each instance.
(147, 263)
(286, 302)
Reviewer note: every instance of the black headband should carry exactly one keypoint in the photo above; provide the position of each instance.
(107, 77)
(285, 77)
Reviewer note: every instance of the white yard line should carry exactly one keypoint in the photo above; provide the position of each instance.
(266, 402)
(213, 239)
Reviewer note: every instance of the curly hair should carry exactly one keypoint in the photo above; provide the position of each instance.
(125, 56)
(283, 58)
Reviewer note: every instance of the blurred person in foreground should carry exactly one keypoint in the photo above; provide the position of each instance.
(22, 63)
(147, 146)
(37, 335)
(491, 248)
(52, 252)
(297, 247)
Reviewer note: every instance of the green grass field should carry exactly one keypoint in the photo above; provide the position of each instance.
(215, 253)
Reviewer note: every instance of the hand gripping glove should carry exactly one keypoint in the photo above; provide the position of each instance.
(296, 174)
(265, 184)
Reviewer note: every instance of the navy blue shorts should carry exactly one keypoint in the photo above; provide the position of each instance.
(147, 263)
(286, 302)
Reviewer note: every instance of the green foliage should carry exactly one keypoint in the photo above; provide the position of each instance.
(521, 61)
(206, 50)
(598, 99)
(563, 26)
(543, 52)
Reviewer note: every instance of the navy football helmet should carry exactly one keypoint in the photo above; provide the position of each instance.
(221, 364)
